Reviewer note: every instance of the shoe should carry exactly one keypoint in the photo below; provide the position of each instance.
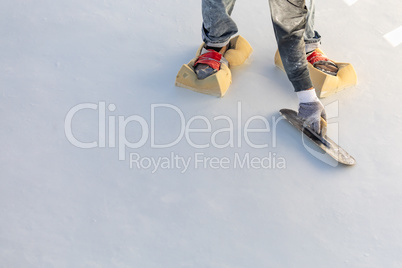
(321, 62)
(209, 62)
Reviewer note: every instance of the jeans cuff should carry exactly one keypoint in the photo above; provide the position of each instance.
(313, 43)
(311, 46)
(219, 44)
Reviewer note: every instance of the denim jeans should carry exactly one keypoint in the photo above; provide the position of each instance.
(293, 22)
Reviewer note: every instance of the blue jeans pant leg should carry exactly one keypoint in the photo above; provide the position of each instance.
(289, 22)
(293, 24)
(218, 26)
(312, 39)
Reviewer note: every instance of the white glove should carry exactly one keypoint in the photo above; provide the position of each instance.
(311, 110)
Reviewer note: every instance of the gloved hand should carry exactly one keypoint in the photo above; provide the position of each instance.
(311, 110)
(311, 113)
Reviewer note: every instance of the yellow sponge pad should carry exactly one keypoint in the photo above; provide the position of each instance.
(326, 84)
(218, 83)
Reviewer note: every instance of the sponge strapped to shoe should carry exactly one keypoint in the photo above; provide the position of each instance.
(217, 83)
(327, 84)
